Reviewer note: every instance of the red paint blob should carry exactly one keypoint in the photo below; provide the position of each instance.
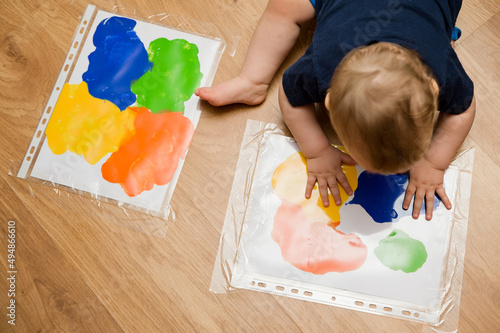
(151, 156)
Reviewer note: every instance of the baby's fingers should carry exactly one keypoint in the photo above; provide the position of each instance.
(311, 181)
(410, 192)
(429, 204)
(334, 189)
(342, 179)
(323, 191)
(417, 203)
(444, 198)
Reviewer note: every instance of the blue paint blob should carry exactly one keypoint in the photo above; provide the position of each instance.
(119, 59)
(378, 194)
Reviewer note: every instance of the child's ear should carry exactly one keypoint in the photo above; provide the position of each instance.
(327, 101)
(435, 87)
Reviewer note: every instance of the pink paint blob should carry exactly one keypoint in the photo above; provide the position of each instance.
(315, 247)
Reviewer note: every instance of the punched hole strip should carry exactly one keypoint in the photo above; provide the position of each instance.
(311, 293)
(63, 75)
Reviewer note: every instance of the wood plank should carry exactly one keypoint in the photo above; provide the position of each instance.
(481, 281)
(479, 55)
(50, 294)
(83, 264)
(474, 14)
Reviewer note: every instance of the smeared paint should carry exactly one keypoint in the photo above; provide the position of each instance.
(289, 183)
(399, 251)
(119, 58)
(378, 195)
(151, 156)
(305, 230)
(315, 247)
(86, 125)
(174, 77)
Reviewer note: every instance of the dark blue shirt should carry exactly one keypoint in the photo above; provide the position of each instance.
(422, 25)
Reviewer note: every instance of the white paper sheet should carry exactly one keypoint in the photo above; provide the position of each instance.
(262, 255)
(72, 171)
(248, 257)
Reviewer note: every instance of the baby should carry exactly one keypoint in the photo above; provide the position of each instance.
(383, 69)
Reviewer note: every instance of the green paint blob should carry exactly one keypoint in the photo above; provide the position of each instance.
(398, 251)
(173, 79)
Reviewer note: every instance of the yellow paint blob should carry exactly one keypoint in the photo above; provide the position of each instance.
(86, 125)
(289, 183)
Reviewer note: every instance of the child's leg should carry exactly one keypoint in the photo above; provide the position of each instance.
(274, 37)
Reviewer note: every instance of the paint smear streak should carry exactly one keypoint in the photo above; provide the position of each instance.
(174, 77)
(305, 230)
(119, 59)
(151, 156)
(87, 126)
(399, 251)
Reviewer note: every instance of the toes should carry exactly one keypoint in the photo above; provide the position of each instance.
(234, 91)
(208, 95)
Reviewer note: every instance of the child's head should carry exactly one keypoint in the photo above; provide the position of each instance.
(382, 104)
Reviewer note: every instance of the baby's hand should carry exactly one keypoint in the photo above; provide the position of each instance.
(325, 169)
(425, 181)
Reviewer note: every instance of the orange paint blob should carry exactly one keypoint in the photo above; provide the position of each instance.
(151, 156)
(305, 230)
(315, 247)
(86, 125)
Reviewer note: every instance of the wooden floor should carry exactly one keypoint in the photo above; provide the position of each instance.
(82, 267)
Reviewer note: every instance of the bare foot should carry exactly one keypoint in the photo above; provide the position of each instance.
(237, 90)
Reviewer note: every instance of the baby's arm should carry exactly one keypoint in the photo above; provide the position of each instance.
(426, 176)
(274, 37)
(323, 160)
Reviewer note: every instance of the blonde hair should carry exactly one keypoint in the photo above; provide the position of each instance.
(382, 102)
